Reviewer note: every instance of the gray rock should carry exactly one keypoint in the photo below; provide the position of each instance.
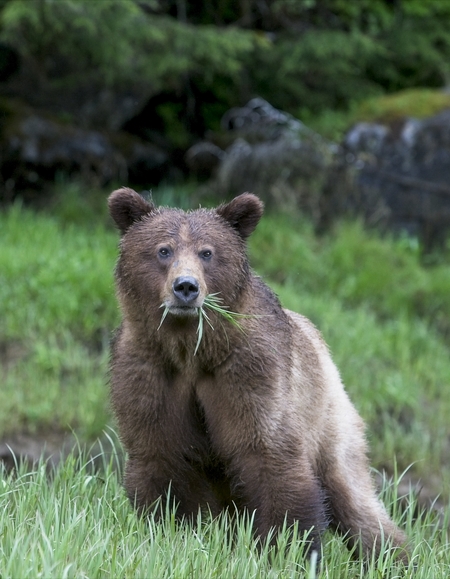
(402, 175)
(396, 176)
(274, 155)
(203, 158)
(35, 148)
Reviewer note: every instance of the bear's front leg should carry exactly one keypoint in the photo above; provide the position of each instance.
(148, 480)
(159, 427)
(278, 488)
(270, 473)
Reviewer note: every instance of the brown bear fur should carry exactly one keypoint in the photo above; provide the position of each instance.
(256, 419)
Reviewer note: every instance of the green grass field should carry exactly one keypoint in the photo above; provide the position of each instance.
(76, 524)
(383, 309)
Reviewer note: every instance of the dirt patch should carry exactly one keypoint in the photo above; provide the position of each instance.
(30, 448)
(53, 447)
(428, 495)
(11, 351)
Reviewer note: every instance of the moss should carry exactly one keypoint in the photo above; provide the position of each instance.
(418, 103)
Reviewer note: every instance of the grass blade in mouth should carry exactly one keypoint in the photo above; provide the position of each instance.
(163, 317)
(199, 329)
(213, 302)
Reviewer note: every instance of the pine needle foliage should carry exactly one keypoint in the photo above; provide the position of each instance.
(303, 56)
(117, 42)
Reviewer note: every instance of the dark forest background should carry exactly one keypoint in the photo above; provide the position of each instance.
(166, 71)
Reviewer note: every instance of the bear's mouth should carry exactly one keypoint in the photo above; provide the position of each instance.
(183, 311)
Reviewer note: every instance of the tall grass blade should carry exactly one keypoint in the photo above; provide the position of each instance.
(164, 314)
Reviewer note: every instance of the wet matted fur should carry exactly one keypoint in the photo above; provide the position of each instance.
(257, 418)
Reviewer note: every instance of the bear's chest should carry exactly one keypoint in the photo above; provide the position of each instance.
(202, 451)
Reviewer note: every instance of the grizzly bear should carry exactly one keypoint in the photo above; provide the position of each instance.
(252, 416)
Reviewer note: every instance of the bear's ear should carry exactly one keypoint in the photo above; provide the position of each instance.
(126, 207)
(242, 213)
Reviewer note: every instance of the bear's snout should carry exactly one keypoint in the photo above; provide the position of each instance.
(186, 289)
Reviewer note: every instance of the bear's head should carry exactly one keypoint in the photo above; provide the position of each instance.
(173, 259)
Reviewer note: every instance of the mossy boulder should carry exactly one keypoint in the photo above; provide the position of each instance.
(271, 153)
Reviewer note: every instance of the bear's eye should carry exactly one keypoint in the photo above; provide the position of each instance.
(164, 252)
(206, 254)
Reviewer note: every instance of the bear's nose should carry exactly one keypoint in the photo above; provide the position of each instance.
(186, 289)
